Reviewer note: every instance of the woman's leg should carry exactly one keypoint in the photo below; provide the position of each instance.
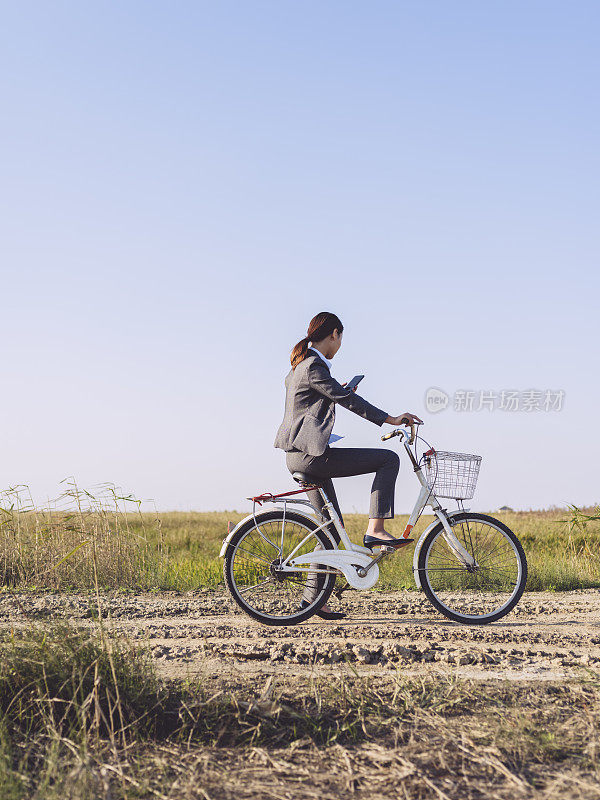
(310, 588)
(343, 462)
(314, 495)
(301, 462)
(297, 461)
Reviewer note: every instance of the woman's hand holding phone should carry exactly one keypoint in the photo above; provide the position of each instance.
(353, 384)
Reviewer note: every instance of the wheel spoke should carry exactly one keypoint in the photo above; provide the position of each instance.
(254, 555)
(254, 575)
(474, 594)
(256, 585)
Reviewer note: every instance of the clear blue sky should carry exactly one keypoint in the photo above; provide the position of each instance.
(184, 185)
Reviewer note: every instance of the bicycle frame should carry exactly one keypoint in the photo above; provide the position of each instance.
(357, 563)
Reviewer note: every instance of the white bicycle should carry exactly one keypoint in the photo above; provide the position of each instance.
(471, 566)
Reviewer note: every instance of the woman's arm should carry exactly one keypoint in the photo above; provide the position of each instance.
(320, 379)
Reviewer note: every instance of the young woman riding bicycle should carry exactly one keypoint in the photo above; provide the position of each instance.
(281, 563)
(305, 434)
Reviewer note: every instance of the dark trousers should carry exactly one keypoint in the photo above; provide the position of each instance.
(342, 462)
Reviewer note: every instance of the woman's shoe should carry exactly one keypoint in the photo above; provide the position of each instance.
(373, 541)
(325, 614)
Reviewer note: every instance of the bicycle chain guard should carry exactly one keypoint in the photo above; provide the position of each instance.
(346, 561)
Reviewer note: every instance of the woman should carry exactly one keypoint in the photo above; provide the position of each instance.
(305, 433)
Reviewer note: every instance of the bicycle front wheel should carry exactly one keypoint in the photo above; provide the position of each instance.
(485, 592)
(254, 575)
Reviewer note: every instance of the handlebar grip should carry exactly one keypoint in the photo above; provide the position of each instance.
(396, 432)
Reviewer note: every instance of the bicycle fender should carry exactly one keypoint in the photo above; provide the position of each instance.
(344, 560)
(257, 516)
(229, 536)
(242, 522)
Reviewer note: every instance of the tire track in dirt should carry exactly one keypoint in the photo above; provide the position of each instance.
(549, 636)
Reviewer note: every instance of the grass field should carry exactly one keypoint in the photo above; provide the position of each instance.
(83, 716)
(84, 538)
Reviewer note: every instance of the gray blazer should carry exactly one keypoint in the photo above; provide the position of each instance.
(310, 397)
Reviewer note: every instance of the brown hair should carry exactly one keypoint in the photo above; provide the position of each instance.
(320, 326)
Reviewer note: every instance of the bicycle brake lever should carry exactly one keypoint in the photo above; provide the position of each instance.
(399, 431)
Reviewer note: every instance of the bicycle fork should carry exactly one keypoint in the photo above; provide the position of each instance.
(453, 543)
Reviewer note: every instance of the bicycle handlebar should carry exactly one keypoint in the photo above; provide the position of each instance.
(399, 431)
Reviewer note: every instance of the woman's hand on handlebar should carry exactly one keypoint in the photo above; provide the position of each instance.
(404, 419)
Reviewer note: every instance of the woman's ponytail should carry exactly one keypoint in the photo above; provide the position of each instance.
(321, 326)
(299, 352)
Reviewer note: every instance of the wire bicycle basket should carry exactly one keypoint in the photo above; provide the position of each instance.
(452, 475)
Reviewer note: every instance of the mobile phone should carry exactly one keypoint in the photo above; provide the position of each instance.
(354, 382)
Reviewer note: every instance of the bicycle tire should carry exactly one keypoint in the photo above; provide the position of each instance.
(428, 581)
(326, 582)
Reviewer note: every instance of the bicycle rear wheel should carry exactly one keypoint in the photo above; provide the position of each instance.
(480, 594)
(253, 575)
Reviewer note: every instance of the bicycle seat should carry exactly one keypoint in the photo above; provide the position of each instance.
(304, 477)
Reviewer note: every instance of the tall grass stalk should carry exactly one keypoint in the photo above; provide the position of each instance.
(101, 536)
(76, 540)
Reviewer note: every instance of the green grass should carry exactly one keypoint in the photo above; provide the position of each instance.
(84, 538)
(562, 553)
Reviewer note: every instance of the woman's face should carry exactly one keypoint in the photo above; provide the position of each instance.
(331, 344)
(336, 343)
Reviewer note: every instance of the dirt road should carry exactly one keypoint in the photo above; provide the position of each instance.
(548, 636)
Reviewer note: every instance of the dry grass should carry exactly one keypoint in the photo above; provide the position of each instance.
(75, 538)
(84, 716)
